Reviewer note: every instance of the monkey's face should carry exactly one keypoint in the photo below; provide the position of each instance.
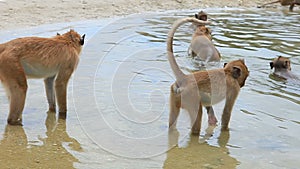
(201, 16)
(281, 63)
(238, 70)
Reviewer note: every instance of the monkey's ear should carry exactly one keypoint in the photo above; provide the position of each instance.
(224, 64)
(82, 39)
(271, 65)
(236, 72)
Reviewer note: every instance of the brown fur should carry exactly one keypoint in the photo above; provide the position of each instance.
(53, 59)
(291, 3)
(203, 88)
(282, 66)
(201, 44)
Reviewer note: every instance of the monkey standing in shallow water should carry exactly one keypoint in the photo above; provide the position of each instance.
(203, 88)
(202, 46)
(53, 59)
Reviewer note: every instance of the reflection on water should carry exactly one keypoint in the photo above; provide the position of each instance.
(17, 152)
(118, 98)
(200, 155)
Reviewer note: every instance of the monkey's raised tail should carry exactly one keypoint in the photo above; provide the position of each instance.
(175, 68)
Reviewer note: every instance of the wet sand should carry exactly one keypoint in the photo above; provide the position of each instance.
(23, 14)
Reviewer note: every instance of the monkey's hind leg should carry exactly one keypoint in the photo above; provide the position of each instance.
(15, 84)
(49, 86)
(175, 104)
(212, 120)
(198, 119)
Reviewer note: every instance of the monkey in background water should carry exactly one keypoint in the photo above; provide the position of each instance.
(201, 45)
(282, 68)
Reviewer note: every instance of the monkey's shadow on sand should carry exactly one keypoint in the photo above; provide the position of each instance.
(17, 152)
(199, 154)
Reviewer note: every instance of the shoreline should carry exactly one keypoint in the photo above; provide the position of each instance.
(30, 13)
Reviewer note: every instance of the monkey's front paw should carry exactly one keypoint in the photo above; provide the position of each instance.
(17, 122)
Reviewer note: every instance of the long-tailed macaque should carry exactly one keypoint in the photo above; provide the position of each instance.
(53, 59)
(291, 3)
(282, 66)
(203, 88)
(202, 46)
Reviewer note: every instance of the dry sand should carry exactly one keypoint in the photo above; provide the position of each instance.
(27, 13)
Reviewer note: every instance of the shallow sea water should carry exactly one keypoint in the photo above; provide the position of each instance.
(118, 98)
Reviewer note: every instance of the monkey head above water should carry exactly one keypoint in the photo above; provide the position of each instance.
(52, 59)
(282, 67)
(203, 88)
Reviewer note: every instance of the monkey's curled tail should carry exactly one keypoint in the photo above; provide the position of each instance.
(175, 68)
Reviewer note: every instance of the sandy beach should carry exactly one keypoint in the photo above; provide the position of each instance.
(28, 13)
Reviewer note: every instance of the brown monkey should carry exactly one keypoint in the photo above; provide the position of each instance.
(53, 59)
(202, 46)
(201, 16)
(282, 66)
(203, 88)
(292, 3)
